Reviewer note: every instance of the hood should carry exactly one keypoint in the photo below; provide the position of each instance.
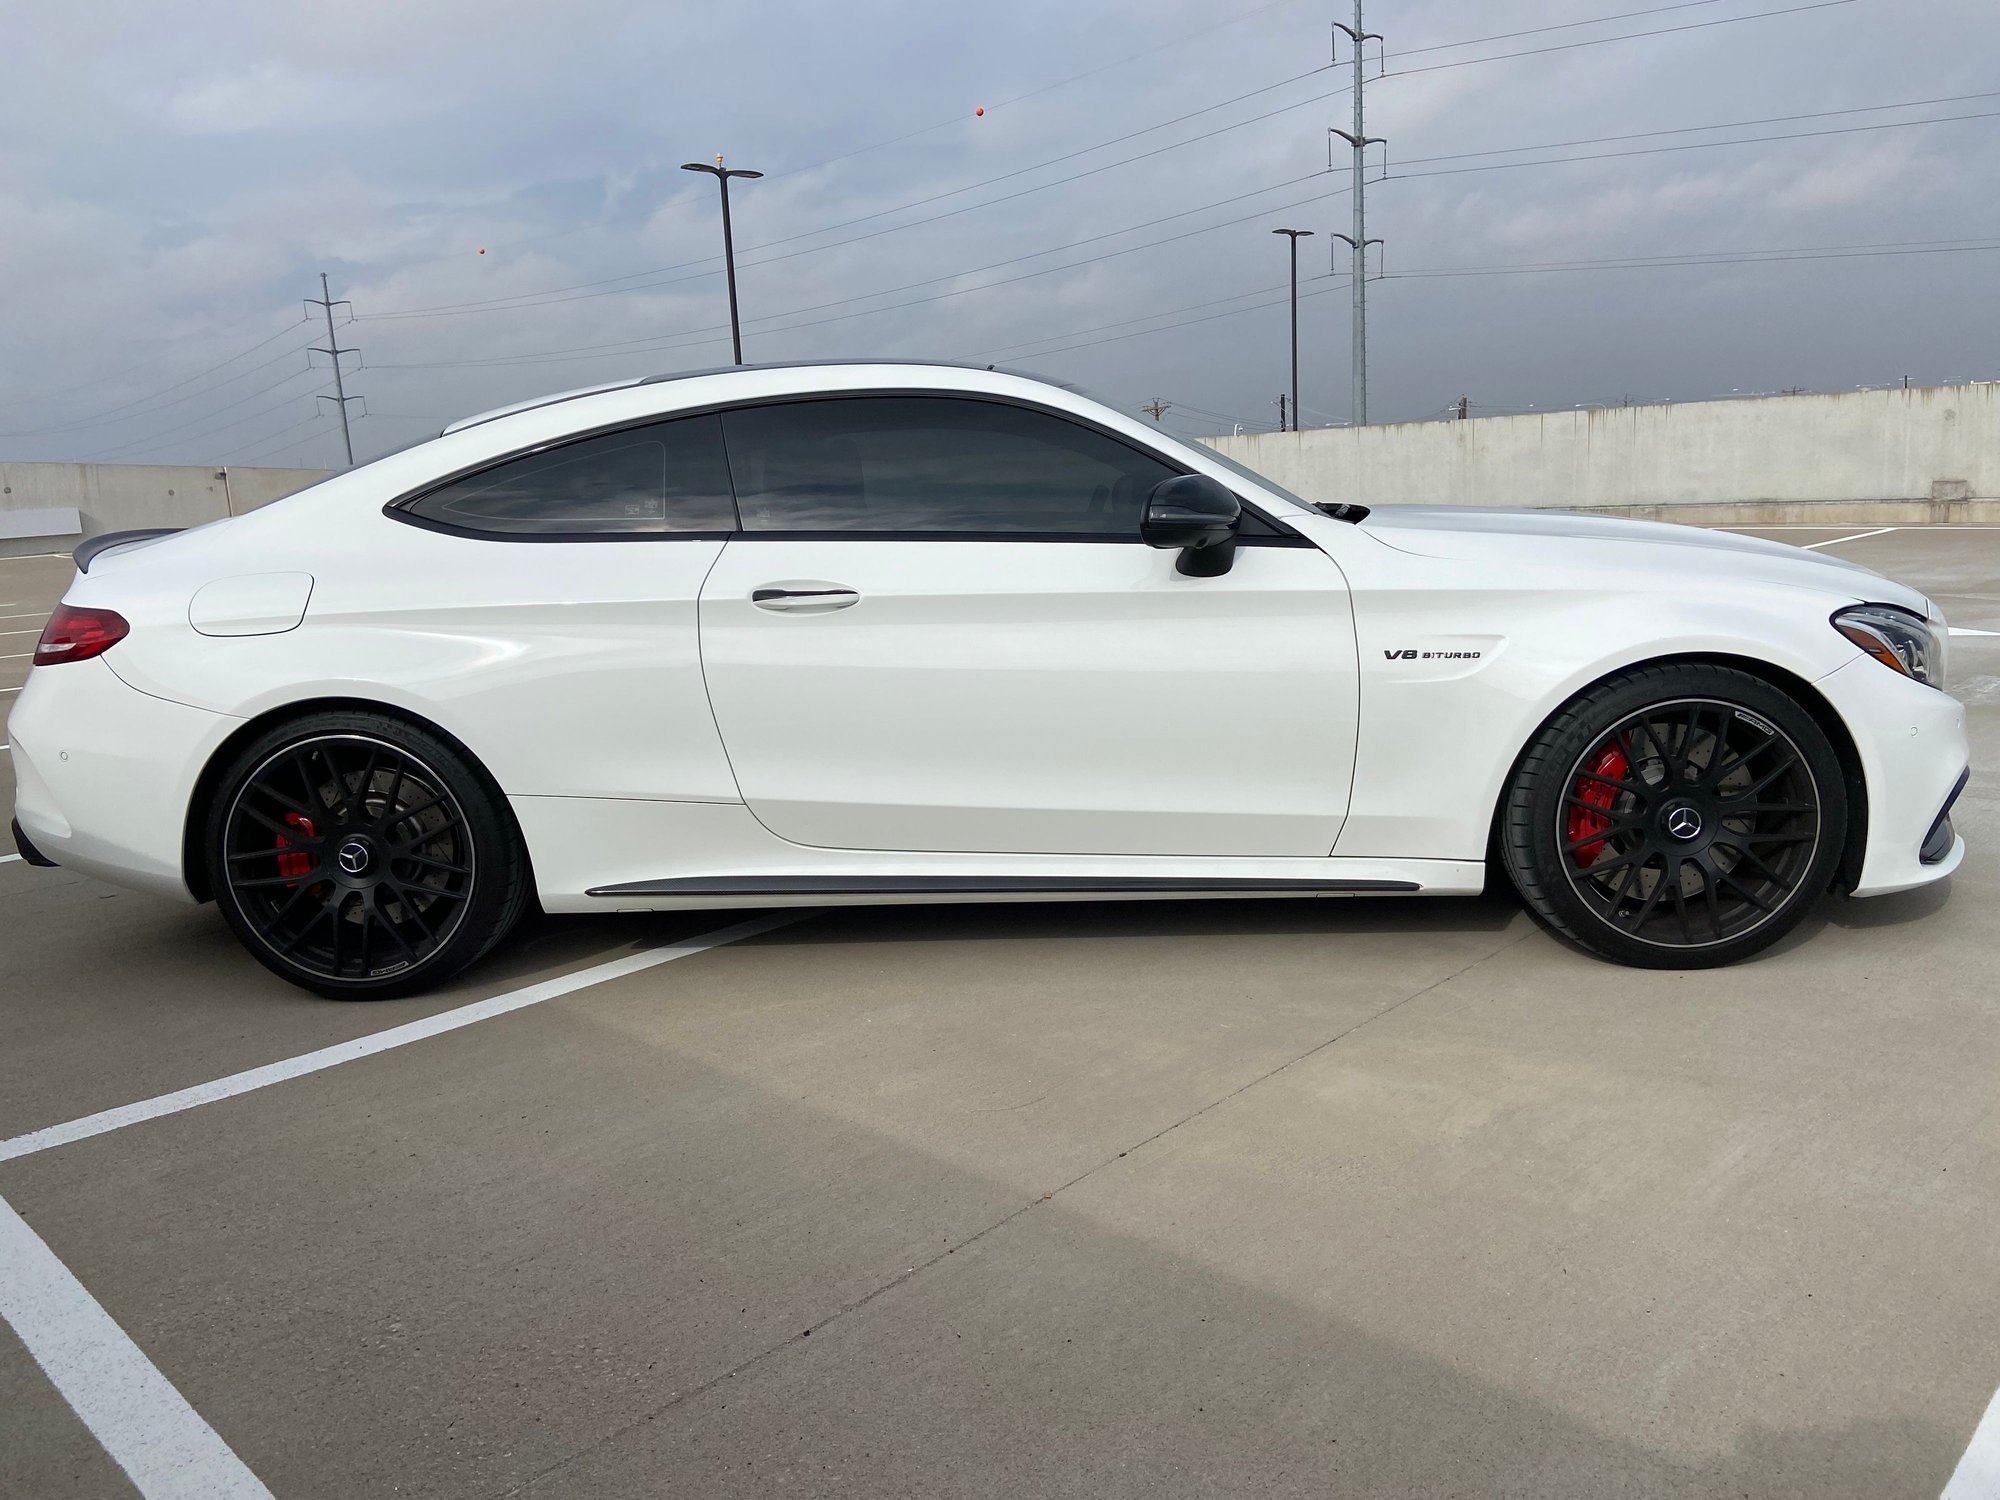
(1453, 531)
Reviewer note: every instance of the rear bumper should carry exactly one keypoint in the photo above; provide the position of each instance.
(1914, 757)
(103, 774)
(28, 850)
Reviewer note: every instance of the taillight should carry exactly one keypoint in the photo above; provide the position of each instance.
(74, 634)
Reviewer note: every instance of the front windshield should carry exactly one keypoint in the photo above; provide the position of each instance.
(1269, 484)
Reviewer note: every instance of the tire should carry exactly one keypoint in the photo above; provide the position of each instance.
(1681, 816)
(362, 857)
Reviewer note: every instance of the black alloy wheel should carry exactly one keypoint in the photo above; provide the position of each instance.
(362, 857)
(1676, 829)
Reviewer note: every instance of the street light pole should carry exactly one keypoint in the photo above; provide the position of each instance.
(722, 175)
(1296, 235)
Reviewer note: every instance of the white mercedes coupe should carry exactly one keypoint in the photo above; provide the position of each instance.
(901, 632)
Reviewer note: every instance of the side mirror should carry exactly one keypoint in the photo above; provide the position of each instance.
(1197, 516)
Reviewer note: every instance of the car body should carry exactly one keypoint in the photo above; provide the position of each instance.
(787, 702)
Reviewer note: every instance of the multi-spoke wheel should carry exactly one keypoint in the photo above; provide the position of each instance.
(360, 856)
(1678, 816)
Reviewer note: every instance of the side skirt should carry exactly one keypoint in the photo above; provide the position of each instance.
(947, 886)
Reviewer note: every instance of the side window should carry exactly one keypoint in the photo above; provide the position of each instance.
(932, 464)
(646, 481)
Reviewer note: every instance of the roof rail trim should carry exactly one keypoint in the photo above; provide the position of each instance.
(531, 404)
(812, 364)
(789, 364)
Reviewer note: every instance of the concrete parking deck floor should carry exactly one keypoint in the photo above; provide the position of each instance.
(1192, 1198)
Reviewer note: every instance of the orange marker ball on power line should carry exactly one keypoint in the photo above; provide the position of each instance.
(980, 111)
(482, 249)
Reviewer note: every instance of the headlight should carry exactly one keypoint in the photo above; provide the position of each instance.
(1896, 638)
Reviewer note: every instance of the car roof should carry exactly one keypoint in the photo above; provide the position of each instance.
(791, 364)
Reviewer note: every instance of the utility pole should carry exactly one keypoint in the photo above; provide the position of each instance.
(325, 303)
(722, 175)
(1281, 414)
(1296, 235)
(1358, 241)
(1464, 408)
(1156, 408)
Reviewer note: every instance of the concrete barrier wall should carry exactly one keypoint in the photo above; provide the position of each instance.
(1926, 454)
(125, 497)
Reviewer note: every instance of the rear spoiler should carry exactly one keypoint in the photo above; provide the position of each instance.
(110, 539)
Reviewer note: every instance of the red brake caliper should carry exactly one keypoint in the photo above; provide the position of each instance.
(298, 864)
(1583, 823)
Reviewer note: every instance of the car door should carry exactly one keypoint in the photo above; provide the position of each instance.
(939, 630)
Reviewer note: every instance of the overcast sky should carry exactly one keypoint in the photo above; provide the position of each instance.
(174, 177)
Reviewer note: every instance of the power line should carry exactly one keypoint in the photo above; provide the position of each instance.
(1628, 36)
(959, 119)
(1010, 349)
(1920, 247)
(1712, 258)
(654, 340)
(126, 407)
(186, 434)
(673, 340)
(956, 119)
(1822, 114)
(610, 286)
(1508, 36)
(244, 400)
(585, 289)
(1064, 82)
(1747, 140)
(150, 411)
(269, 438)
(144, 364)
(1338, 284)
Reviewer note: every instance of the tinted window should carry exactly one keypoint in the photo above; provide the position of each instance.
(670, 477)
(932, 464)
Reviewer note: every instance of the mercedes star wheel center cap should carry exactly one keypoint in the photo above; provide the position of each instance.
(353, 856)
(1683, 822)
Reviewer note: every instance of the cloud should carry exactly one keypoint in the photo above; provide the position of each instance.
(174, 184)
(264, 97)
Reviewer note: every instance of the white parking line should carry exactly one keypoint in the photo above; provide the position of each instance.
(1977, 1476)
(252, 1079)
(8, 859)
(1834, 541)
(134, 1412)
(1968, 630)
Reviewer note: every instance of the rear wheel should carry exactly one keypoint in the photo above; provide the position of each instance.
(1681, 816)
(363, 857)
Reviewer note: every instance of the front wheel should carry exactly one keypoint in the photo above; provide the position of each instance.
(363, 857)
(1679, 816)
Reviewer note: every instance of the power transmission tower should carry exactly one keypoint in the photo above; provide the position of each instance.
(1156, 408)
(325, 303)
(1358, 242)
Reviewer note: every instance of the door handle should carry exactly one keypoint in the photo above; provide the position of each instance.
(804, 598)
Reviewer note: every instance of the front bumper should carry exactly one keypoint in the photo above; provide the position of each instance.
(103, 774)
(1914, 757)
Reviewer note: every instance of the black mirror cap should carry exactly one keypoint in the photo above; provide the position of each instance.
(1190, 511)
